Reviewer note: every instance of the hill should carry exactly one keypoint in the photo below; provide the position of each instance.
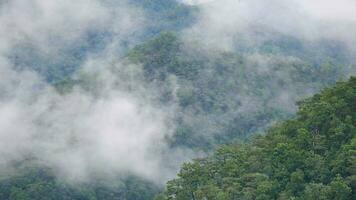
(309, 157)
(224, 96)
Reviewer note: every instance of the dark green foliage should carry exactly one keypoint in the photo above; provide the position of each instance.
(41, 184)
(162, 15)
(225, 95)
(221, 97)
(165, 15)
(310, 157)
(228, 95)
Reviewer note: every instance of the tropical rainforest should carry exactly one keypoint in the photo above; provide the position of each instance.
(309, 157)
(177, 100)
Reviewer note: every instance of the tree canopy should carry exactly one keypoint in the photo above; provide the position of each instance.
(312, 156)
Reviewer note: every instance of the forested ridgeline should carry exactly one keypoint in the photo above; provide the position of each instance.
(38, 183)
(310, 157)
(221, 97)
(228, 95)
(218, 97)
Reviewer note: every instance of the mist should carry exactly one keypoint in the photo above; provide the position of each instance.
(222, 23)
(113, 128)
(320, 32)
(115, 124)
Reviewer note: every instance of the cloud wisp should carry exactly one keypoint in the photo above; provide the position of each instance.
(114, 128)
(117, 126)
(222, 22)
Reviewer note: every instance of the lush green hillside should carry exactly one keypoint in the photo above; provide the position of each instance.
(310, 157)
(224, 96)
(42, 184)
(165, 15)
(160, 15)
(228, 95)
(235, 105)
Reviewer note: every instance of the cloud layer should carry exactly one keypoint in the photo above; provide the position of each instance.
(114, 128)
(222, 21)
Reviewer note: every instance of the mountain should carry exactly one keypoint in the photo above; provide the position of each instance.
(160, 15)
(266, 114)
(221, 97)
(224, 96)
(37, 183)
(312, 156)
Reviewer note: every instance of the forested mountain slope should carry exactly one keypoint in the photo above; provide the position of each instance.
(229, 95)
(104, 99)
(165, 15)
(158, 16)
(219, 97)
(38, 183)
(312, 156)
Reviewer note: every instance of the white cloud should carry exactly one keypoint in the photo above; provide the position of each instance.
(115, 129)
(330, 9)
(52, 25)
(223, 21)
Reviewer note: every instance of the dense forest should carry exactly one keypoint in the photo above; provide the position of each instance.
(216, 106)
(309, 157)
(270, 117)
(41, 183)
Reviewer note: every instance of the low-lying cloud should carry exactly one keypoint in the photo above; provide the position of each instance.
(222, 22)
(115, 127)
(80, 134)
(114, 124)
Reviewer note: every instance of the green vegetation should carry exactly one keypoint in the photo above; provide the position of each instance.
(221, 97)
(165, 15)
(230, 95)
(310, 157)
(162, 15)
(43, 184)
(227, 96)
(234, 105)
